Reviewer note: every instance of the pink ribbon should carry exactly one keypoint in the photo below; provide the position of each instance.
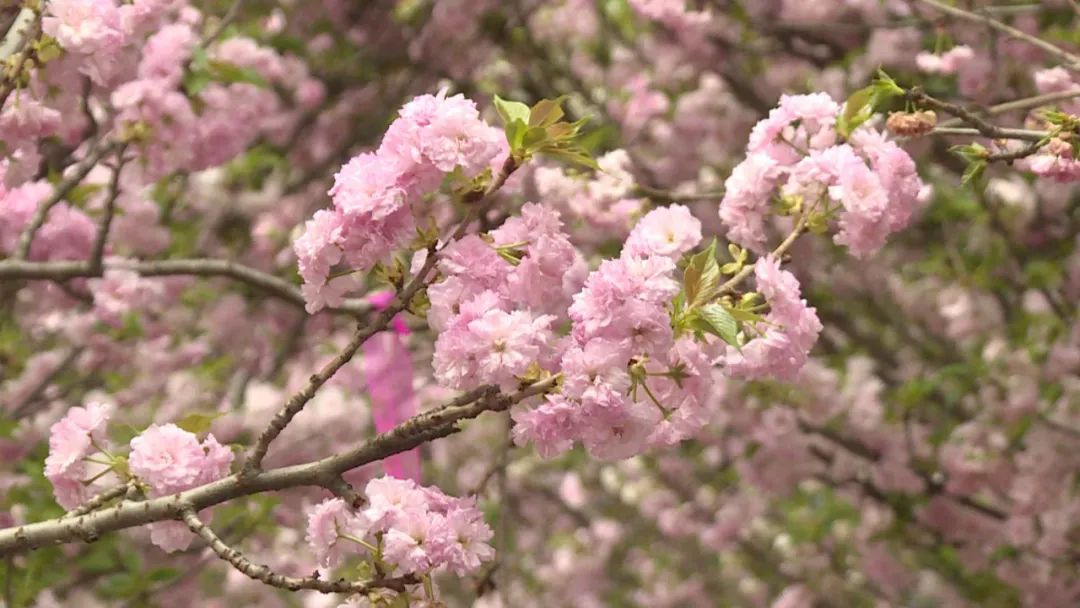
(388, 371)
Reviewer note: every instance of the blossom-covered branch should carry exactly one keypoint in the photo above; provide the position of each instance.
(416, 431)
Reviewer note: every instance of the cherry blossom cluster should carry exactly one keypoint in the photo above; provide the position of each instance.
(404, 527)
(596, 207)
(375, 192)
(67, 234)
(790, 329)
(628, 381)
(163, 459)
(867, 182)
(500, 296)
(1057, 159)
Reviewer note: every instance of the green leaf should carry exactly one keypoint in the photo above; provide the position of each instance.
(229, 73)
(745, 315)
(546, 112)
(701, 279)
(512, 110)
(534, 138)
(195, 82)
(886, 87)
(858, 109)
(198, 423)
(718, 321)
(159, 575)
(81, 193)
(572, 154)
(974, 171)
(515, 135)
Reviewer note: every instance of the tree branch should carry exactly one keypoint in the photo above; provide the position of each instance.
(1020, 104)
(96, 153)
(98, 252)
(96, 502)
(980, 125)
(265, 575)
(206, 267)
(1071, 61)
(414, 432)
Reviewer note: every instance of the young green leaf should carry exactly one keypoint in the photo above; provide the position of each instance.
(716, 320)
(546, 112)
(511, 110)
(198, 423)
(701, 279)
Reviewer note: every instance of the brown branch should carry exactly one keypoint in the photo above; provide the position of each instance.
(98, 501)
(26, 407)
(981, 126)
(412, 433)
(1026, 103)
(205, 267)
(267, 576)
(676, 197)
(98, 252)
(96, 153)
(1070, 61)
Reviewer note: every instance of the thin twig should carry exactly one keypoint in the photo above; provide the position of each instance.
(267, 576)
(1027, 103)
(205, 267)
(97, 254)
(981, 126)
(363, 332)
(96, 153)
(222, 25)
(100, 500)
(1071, 60)
(1001, 133)
(412, 433)
(26, 407)
(781, 249)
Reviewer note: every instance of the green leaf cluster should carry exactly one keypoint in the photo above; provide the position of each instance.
(542, 130)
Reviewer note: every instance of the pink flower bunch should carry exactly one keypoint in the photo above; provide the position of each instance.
(598, 208)
(374, 192)
(871, 180)
(550, 269)
(169, 459)
(119, 292)
(92, 29)
(494, 316)
(419, 529)
(160, 119)
(791, 329)
(71, 440)
(488, 344)
(672, 13)
(84, 26)
(667, 231)
(67, 234)
(949, 62)
(25, 119)
(166, 52)
(1054, 161)
(629, 383)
